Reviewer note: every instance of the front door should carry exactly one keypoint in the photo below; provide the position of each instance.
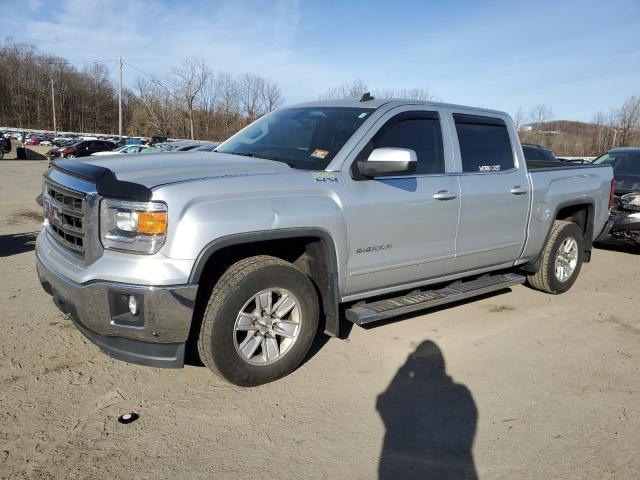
(402, 229)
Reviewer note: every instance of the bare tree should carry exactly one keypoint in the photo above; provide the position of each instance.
(423, 94)
(520, 119)
(189, 80)
(271, 96)
(251, 93)
(627, 119)
(158, 107)
(540, 114)
(354, 89)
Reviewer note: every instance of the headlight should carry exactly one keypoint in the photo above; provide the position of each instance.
(630, 201)
(139, 227)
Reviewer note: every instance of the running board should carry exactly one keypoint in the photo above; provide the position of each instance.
(364, 312)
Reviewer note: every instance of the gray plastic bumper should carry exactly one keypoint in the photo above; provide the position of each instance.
(156, 336)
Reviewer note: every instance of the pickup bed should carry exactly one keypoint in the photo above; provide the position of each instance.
(317, 213)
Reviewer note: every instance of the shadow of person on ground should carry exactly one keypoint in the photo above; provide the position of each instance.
(430, 421)
(17, 243)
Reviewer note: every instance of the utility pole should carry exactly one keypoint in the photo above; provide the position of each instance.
(53, 107)
(120, 101)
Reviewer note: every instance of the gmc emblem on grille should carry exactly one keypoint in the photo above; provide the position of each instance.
(52, 213)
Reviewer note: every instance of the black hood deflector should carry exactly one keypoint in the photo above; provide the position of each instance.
(107, 184)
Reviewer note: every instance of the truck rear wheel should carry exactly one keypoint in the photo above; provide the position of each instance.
(561, 259)
(260, 321)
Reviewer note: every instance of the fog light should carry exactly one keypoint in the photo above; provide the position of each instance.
(133, 305)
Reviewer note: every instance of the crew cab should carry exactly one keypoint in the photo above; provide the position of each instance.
(315, 214)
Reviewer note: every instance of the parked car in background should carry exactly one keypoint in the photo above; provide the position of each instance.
(184, 145)
(206, 148)
(34, 140)
(127, 149)
(624, 223)
(46, 143)
(84, 148)
(537, 152)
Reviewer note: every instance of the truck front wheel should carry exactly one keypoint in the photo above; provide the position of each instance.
(561, 259)
(260, 321)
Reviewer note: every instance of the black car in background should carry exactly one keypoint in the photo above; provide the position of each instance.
(624, 223)
(537, 153)
(84, 148)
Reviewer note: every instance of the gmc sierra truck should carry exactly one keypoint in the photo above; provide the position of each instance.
(315, 214)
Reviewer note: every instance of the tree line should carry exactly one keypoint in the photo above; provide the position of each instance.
(193, 101)
(618, 128)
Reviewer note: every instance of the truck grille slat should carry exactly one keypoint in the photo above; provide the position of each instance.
(64, 212)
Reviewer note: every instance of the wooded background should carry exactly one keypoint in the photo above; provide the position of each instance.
(193, 101)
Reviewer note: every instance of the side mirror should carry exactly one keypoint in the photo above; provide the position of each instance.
(388, 161)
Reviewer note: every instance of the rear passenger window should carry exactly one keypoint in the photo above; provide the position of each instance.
(484, 143)
(418, 131)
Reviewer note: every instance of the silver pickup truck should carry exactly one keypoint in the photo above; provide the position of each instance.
(326, 211)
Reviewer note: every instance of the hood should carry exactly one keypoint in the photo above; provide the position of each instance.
(154, 169)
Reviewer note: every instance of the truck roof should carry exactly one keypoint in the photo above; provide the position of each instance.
(391, 102)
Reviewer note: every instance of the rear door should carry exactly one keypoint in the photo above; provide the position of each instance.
(495, 190)
(402, 228)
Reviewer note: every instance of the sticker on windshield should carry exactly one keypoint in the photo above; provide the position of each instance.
(363, 114)
(317, 153)
(489, 168)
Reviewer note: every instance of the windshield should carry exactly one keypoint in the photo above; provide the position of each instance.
(623, 163)
(306, 138)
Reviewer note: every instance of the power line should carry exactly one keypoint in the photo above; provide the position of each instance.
(81, 63)
(153, 80)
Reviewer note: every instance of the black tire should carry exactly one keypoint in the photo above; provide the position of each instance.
(545, 279)
(241, 281)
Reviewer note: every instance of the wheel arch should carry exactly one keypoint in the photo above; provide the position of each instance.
(312, 250)
(579, 211)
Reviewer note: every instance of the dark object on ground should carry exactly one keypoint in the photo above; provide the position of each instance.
(128, 418)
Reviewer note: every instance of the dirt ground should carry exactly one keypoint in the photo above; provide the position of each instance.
(535, 387)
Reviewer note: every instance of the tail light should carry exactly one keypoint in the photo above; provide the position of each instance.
(612, 197)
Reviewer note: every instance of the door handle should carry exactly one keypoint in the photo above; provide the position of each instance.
(519, 190)
(444, 195)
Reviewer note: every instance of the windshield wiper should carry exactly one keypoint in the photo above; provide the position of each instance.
(264, 157)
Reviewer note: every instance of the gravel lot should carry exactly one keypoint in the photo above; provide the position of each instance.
(535, 387)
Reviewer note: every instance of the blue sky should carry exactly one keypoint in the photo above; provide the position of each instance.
(576, 56)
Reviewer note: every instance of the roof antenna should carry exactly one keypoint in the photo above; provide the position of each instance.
(366, 97)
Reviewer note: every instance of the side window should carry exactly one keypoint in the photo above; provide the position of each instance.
(484, 143)
(419, 131)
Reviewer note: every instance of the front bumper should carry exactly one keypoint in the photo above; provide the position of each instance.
(155, 337)
(622, 225)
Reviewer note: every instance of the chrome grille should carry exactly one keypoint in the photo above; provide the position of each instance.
(64, 215)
